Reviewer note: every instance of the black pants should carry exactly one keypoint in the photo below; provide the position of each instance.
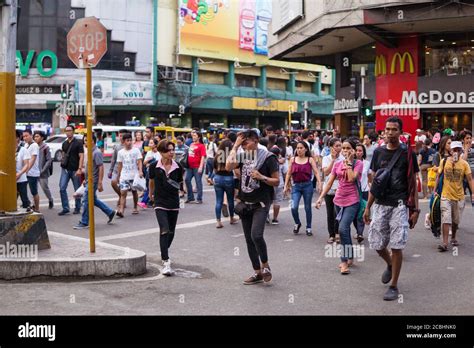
(331, 215)
(167, 220)
(253, 224)
(22, 188)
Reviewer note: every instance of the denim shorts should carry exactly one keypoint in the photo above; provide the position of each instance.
(126, 185)
(33, 183)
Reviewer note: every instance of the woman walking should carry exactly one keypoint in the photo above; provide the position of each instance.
(223, 182)
(211, 150)
(328, 163)
(346, 199)
(299, 171)
(167, 176)
(443, 152)
(365, 181)
(196, 162)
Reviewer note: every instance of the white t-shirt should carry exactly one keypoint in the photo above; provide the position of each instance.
(364, 180)
(129, 159)
(326, 162)
(22, 155)
(33, 150)
(211, 150)
(150, 155)
(313, 148)
(421, 138)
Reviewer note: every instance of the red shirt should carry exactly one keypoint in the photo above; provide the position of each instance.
(196, 152)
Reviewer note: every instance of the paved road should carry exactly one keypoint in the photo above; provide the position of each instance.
(214, 262)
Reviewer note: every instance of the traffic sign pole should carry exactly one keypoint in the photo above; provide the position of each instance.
(90, 176)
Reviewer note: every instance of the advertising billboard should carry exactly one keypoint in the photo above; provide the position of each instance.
(117, 92)
(225, 29)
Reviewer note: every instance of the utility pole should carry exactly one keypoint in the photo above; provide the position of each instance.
(8, 17)
(306, 115)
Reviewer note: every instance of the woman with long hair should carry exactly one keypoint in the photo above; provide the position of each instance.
(335, 147)
(167, 176)
(346, 200)
(443, 151)
(223, 182)
(138, 143)
(365, 182)
(299, 172)
(196, 163)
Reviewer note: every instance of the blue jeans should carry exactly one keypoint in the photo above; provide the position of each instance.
(304, 189)
(98, 203)
(190, 173)
(67, 175)
(348, 215)
(210, 168)
(224, 184)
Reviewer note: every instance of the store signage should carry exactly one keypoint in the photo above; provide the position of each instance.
(261, 104)
(402, 60)
(437, 97)
(117, 92)
(38, 89)
(342, 104)
(25, 65)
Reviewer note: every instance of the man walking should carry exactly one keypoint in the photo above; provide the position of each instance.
(98, 175)
(258, 177)
(45, 165)
(113, 171)
(71, 169)
(391, 217)
(455, 170)
(22, 157)
(33, 173)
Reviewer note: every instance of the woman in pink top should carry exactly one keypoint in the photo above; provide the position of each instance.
(346, 200)
(138, 143)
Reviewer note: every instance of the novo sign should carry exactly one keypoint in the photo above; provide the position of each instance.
(25, 65)
(401, 59)
(436, 97)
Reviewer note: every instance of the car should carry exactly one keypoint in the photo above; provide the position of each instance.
(55, 144)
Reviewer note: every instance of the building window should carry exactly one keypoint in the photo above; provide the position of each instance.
(276, 84)
(245, 81)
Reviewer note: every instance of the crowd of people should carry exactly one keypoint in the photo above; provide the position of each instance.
(374, 181)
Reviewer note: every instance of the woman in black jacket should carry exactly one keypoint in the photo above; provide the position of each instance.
(166, 177)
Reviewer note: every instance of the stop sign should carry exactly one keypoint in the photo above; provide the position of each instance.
(87, 42)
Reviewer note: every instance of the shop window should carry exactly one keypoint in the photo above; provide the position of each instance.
(245, 81)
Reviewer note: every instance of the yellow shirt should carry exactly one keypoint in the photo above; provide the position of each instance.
(454, 174)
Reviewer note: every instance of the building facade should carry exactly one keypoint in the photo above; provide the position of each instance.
(147, 78)
(418, 58)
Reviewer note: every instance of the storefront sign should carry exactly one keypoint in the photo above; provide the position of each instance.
(343, 104)
(124, 90)
(402, 60)
(261, 104)
(38, 89)
(436, 97)
(25, 65)
(117, 92)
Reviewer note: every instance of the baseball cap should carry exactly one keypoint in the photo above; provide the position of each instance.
(419, 130)
(456, 145)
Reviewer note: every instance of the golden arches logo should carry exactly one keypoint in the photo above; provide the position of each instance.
(381, 63)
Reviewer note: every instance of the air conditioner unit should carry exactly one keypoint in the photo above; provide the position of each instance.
(166, 73)
(184, 76)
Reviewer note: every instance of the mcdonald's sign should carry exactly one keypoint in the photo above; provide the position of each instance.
(381, 63)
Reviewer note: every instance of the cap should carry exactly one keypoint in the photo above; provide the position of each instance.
(419, 130)
(456, 145)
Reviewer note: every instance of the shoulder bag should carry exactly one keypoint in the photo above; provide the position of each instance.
(65, 158)
(382, 176)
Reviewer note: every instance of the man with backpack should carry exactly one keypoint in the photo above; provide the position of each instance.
(45, 165)
(391, 195)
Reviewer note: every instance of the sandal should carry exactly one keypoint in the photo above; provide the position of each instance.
(344, 268)
(338, 239)
(350, 263)
(454, 242)
(330, 240)
(135, 212)
(442, 248)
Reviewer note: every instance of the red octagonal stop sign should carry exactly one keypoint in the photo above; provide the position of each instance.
(87, 42)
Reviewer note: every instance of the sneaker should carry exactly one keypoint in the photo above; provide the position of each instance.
(167, 268)
(198, 202)
(275, 222)
(387, 275)
(189, 201)
(80, 226)
(296, 229)
(63, 212)
(267, 274)
(51, 204)
(112, 217)
(391, 294)
(142, 205)
(255, 279)
(120, 215)
(76, 211)
(309, 233)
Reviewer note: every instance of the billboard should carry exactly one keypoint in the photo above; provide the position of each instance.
(225, 29)
(117, 92)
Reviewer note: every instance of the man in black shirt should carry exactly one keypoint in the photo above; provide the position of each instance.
(71, 169)
(391, 217)
(258, 175)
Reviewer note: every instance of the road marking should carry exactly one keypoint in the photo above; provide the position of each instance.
(237, 235)
(288, 240)
(178, 227)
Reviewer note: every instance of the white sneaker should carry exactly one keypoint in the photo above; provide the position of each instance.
(167, 268)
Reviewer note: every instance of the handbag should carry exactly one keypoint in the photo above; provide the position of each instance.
(183, 161)
(65, 158)
(139, 183)
(382, 176)
(431, 177)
